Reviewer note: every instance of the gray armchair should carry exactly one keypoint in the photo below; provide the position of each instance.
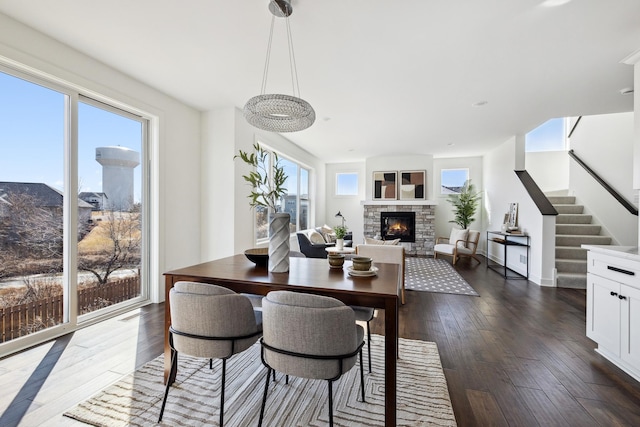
(210, 321)
(309, 336)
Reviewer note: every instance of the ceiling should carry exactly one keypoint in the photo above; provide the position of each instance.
(384, 77)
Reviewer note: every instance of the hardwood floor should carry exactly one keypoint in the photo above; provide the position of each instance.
(517, 355)
(38, 385)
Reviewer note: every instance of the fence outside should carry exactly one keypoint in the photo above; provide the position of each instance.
(24, 319)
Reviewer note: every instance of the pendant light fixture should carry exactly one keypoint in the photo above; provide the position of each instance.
(278, 112)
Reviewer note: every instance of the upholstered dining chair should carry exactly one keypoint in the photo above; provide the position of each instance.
(309, 336)
(459, 244)
(210, 322)
(392, 254)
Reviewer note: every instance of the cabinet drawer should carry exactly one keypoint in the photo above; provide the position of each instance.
(618, 269)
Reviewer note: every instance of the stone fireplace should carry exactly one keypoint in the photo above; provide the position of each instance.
(424, 223)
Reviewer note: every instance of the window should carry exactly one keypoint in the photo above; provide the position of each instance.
(549, 136)
(295, 202)
(51, 135)
(346, 184)
(452, 180)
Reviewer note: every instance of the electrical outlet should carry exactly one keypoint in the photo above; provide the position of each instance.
(523, 259)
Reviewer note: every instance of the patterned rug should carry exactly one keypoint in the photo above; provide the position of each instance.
(435, 275)
(194, 399)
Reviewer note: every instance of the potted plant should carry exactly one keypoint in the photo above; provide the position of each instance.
(267, 188)
(341, 231)
(465, 205)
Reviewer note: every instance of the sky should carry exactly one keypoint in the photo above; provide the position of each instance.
(549, 136)
(32, 136)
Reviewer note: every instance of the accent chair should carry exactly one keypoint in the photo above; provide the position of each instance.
(458, 245)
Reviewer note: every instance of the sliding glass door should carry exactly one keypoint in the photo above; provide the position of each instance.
(73, 204)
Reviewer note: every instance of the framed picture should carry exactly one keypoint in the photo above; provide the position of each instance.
(412, 185)
(385, 185)
(513, 215)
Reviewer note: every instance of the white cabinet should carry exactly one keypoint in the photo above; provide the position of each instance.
(613, 309)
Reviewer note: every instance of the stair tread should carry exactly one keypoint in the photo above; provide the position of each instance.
(575, 275)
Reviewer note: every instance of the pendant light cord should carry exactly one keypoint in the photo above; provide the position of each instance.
(292, 60)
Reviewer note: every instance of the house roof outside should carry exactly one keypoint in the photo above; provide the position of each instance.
(45, 195)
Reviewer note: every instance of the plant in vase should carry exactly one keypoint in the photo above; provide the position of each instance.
(340, 231)
(267, 188)
(465, 205)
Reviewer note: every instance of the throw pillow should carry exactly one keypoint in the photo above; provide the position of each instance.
(457, 234)
(370, 241)
(329, 237)
(315, 237)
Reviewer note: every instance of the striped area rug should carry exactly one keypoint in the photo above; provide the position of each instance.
(194, 399)
(434, 275)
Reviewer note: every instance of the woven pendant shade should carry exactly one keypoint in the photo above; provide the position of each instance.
(279, 113)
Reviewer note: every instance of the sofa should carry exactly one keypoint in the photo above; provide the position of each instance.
(314, 241)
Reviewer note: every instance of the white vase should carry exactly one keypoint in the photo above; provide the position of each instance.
(279, 242)
(340, 244)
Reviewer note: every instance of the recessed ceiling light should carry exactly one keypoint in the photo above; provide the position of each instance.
(626, 91)
(479, 103)
(554, 3)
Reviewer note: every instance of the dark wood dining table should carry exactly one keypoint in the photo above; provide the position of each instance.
(311, 275)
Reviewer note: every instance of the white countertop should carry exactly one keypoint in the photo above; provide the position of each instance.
(627, 252)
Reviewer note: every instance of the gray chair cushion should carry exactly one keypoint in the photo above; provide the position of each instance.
(312, 325)
(211, 311)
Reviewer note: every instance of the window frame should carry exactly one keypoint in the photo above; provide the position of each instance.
(74, 94)
(299, 166)
(336, 184)
(443, 170)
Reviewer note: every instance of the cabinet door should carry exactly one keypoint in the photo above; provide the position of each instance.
(630, 325)
(603, 312)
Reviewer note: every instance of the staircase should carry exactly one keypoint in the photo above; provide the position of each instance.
(573, 228)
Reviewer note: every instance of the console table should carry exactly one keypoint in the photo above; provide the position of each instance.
(506, 241)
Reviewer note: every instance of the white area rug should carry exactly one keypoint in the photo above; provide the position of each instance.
(434, 275)
(194, 399)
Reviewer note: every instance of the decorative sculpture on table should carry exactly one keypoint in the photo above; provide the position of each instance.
(267, 190)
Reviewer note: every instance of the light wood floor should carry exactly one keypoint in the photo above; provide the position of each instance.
(515, 356)
(38, 385)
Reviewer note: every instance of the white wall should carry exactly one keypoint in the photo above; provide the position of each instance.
(549, 169)
(503, 187)
(175, 132)
(399, 163)
(444, 209)
(349, 206)
(605, 144)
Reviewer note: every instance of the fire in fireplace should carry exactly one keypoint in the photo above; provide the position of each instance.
(394, 225)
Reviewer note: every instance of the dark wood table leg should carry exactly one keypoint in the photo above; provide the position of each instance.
(390, 360)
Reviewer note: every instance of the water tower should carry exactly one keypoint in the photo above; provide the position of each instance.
(118, 164)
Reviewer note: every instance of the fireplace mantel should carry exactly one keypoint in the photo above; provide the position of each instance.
(399, 202)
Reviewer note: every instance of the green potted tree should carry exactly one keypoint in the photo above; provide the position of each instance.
(267, 188)
(465, 205)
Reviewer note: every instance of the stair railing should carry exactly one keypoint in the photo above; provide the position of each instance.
(624, 202)
(536, 194)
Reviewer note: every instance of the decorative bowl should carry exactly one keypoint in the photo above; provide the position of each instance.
(361, 263)
(336, 260)
(259, 256)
